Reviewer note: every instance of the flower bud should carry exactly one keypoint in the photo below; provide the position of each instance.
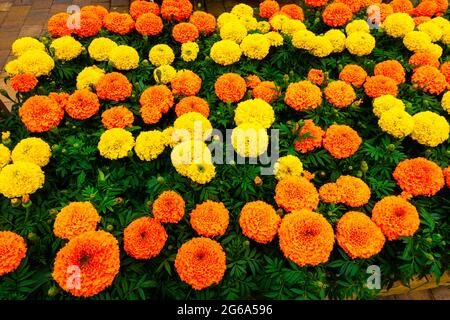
(53, 291)
(15, 202)
(364, 166)
(160, 180)
(390, 147)
(118, 200)
(109, 227)
(258, 181)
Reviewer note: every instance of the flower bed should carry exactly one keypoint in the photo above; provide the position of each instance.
(116, 175)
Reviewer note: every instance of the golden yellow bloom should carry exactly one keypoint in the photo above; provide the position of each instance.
(291, 26)
(20, 178)
(88, 77)
(398, 24)
(303, 39)
(275, 39)
(288, 166)
(124, 58)
(321, 47)
(337, 39)
(432, 30)
(430, 129)
(189, 51)
(254, 110)
(22, 45)
(12, 68)
(161, 54)
(226, 17)
(200, 173)
(386, 102)
(416, 40)
(194, 126)
(225, 52)
(255, 46)
(263, 26)
(66, 48)
(100, 48)
(34, 150)
(190, 152)
(115, 143)
(249, 139)
(164, 74)
(5, 156)
(35, 62)
(249, 23)
(357, 26)
(150, 144)
(242, 10)
(234, 31)
(360, 43)
(397, 122)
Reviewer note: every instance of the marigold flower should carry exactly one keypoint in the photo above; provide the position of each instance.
(24, 44)
(230, 87)
(249, 139)
(442, 7)
(57, 25)
(396, 217)
(124, 58)
(225, 18)
(149, 24)
(354, 191)
(425, 8)
(95, 256)
(205, 22)
(295, 193)
(161, 54)
(360, 43)
(150, 144)
(66, 48)
(416, 41)
(268, 8)
(34, 150)
(429, 79)
(100, 48)
(397, 122)
(294, 11)
(404, 6)
(315, 3)
(336, 38)
(234, 31)
(184, 32)
(303, 96)
(189, 51)
(424, 58)
(40, 114)
(252, 81)
(192, 104)
(432, 30)
(225, 52)
(164, 74)
(139, 8)
(200, 173)
(310, 137)
(82, 104)
(339, 94)
(341, 141)
(330, 193)
(377, 86)
(291, 26)
(23, 82)
(168, 207)
(115, 143)
(398, 24)
(113, 86)
(121, 23)
(429, 129)
(36, 62)
(144, 238)
(186, 83)
(99, 11)
(259, 221)
(88, 77)
(288, 166)
(20, 178)
(321, 46)
(419, 176)
(306, 238)
(278, 19)
(255, 46)
(12, 251)
(61, 98)
(392, 69)
(5, 156)
(210, 219)
(386, 102)
(337, 14)
(357, 26)
(303, 39)
(266, 91)
(75, 219)
(12, 68)
(316, 76)
(155, 101)
(117, 117)
(242, 10)
(90, 25)
(176, 9)
(254, 110)
(354, 75)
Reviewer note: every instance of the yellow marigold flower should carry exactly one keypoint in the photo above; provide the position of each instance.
(66, 48)
(5, 135)
(20, 178)
(303, 39)
(432, 30)
(254, 110)
(386, 102)
(291, 26)
(357, 26)
(321, 47)
(12, 68)
(149, 145)
(22, 45)
(88, 77)
(200, 173)
(432, 49)
(360, 43)
(445, 102)
(190, 152)
(255, 46)
(416, 40)
(274, 38)
(249, 139)
(397, 122)
(277, 21)
(161, 54)
(34, 150)
(173, 137)
(124, 58)
(189, 51)
(225, 52)
(337, 39)
(226, 17)
(234, 31)
(115, 143)
(398, 24)
(36, 62)
(5, 156)
(100, 48)
(249, 23)
(263, 26)
(446, 35)
(430, 129)
(288, 166)
(441, 22)
(164, 74)
(195, 126)
(242, 10)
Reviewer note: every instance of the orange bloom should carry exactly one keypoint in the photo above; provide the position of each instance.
(205, 22)
(184, 32)
(138, 8)
(316, 3)
(354, 5)
(121, 23)
(155, 101)
(268, 8)
(113, 86)
(82, 104)
(426, 8)
(267, 91)
(354, 192)
(380, 85)
(429, 79)
(24, 82)
(341, 141)
(396, 217)
(445, 70)
(304, 143)
(294, 11)
(359, 236)
(12, 251)
(442, 6)
(230, 87)
(40, 114)
(402, 6)
(168, 207)
(61, 98)
(330, 193)
(354, 75)
(392, 69)
(303, 96)
(446, 173)
(87, 264)
(259, 221)
(186, 83)
(419, 176)
(306, 238)
(90, 25)
(337, 14)
(295, 193)
(210, 219)
(420, 20)
(192, 104)
(201, 262)
(149, 24)
(150, 114)
(176, 9)
(316, 76)
(57, 25)
(117, 117)
(99, 11)
(424, 59)
(144, 238)
(252, 81)
(75, 219)
(339, 94)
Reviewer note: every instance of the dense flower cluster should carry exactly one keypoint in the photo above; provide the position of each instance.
(75, 219)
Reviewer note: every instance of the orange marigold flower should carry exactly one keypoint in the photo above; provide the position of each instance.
(303, 96)
(24, 82)
(446, 173)
(294, 11)
(267, 91)
(90, 25)
(201, 262)
(310, 137)
(359, 236)
(186, 83)
(205, 22)
(396, 217)
(192, 104)
(230, 87)
(306, 238)
(12, 251)
(82, 104)
(354, 5)
(429, 79)
(168, 207)
(339, 94)
(121, 23)
(259, 221)
(252, 81)
(184, 32)
(144, 238)
(75, 219)
(149, 24)
(61, 98)
(159, 96)
(426, 8)
(316, 3)
(402, 6)
(337, 14)
(176, 9)
(99, 11)
(268, 8)
(57, 25)
(424, 59)
(341, 141)
(151, 114)
(210, 219)
(94, 257)
(117, 117)
(138, 8)
(40, 114)
(316, 76)
(354, 192)
(445, 70)
(379, 86)
(354, 75)
(442, 6)
(419, 176)
(113, 86)
(295, 193)
(392, 69)
(330, 193)
(420, 20)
